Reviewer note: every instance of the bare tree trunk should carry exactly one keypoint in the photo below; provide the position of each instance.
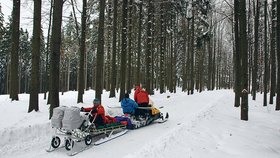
(149, 48)
(237, 63)
(14, 79)
(188, 66)
(55, 55)
(192, 54)
(100, 52)
(272, 53)
(210, 58)
(265, 81)
(139, 43)
(184, 76)
(255, 68)
(162, 46)
(123, 50)
(278, 57)
(244, 60)
(82, 54)
(47, 55)
(129, 76)
(35, 72)
(114, 51)
(109, 37)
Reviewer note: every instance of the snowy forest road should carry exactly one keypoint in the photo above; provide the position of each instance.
(184, 111)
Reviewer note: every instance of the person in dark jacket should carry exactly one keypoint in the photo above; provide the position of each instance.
(128, 105)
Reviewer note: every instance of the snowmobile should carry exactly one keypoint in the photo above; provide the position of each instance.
(143, 120)
(79, 132)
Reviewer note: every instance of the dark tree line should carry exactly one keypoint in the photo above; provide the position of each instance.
(195, 45)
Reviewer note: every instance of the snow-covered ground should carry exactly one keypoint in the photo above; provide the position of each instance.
(203, 125)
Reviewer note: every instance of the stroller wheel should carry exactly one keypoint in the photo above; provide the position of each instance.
(88, 140)
(55, 142)
(68, 143)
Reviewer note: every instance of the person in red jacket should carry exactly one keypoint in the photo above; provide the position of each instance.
(141, 97)
(97, 112)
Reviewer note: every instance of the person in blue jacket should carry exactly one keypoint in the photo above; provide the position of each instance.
(128, 105)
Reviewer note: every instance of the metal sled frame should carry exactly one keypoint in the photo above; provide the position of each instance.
(85, 136)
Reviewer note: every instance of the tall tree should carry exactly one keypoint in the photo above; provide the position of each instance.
(278, 57)
(55, 55)
(129, 53)
(149, 48)
(82, 54)
(14, 78)
(2, 27)
(192, 53)
(237, 63)
(244, 61)
(256, 54)
(162, 46)
(3, 54)
(265, 81)
(123, 49)
(100, 51)
(109, 43)
(139, 50)
(36, 43)
(46, 75)
(272, 53)
(114, 51)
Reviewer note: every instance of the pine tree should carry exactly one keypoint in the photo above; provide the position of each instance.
(129, 52)
(278, 57)
(3, 53)
(256, 54)
(244, 61)
(139, 49)
(237, 63)
(272, 53)
(82, 54)
(25, 56)
(2, 27)
(35, 78)
(55, 55)
(123, 49)
(162, 46)
(149, 49)
(46, 75)
(265, 81)
(100, 52)
(14, 78)
(114, 51)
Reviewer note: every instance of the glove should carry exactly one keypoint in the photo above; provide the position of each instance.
(94, 110)
(82, 108)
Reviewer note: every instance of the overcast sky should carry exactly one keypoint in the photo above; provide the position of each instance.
(26, 12)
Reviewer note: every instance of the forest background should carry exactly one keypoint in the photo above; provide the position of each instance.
(114, 45)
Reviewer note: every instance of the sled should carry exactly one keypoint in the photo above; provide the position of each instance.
(77, 133)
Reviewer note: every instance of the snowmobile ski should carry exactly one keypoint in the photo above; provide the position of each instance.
(51, 149)
(80, 147)
(163, 119)
(110, 137)
(77, 151)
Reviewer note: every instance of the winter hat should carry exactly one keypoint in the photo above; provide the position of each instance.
(126, 95)
(96, 101)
